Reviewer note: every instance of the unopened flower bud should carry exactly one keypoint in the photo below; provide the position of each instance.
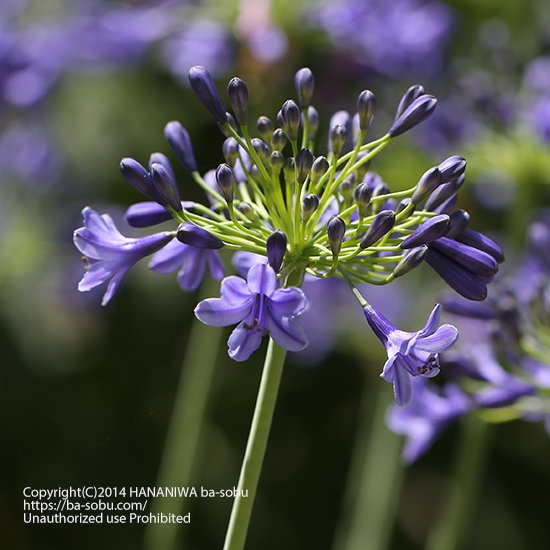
(458, 222)
(319, 168)
(346, 189)
(362, 195)
(430, 180)
(366, 103)
(419, 110)
(289, 169)
(405, 203)
(261, 148)
(443, 193)
(278, 140)
(304, 162)
(337, 138)
(336, 229)
(277, 161)
(166, 186)
(203, 85)
(237, 93)
(312, 121)
(305, 84)
(226, 182)
(431, 229)
(276, 248)
(451, 168)
(408, 97)
(139, 178)
(180, 142)
(265, 128)
(411, 259)
(310, 203)
(230, 150)
(245, 209)
(289, 119)
(193, 235)
(380, 226)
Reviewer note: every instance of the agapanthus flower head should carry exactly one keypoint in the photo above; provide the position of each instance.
(260, 308)
(108, 254)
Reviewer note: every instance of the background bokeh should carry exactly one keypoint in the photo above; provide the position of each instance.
(86, 392)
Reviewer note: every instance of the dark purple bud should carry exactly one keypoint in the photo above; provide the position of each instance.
(451, 168)
(237, 93)
(289, 169)
(431, 229)
(312, 121)
(180, 142)
(232, 122)
(193, 235)
(261, 148)
(338, 135)
(419, 110)
(230, 150)
(457, 277)
(203, 85)
(478, 262)
(289, 119)
(458, 306)
(304, 162)
(276, 248)
(428, 183)
(362, 195)
(366, 103)
(166, 186)
(265, 128)
(277, 161)
(381, 225)
(226, 182)
(146, 214)
(443, 193)
(161, 158)
(310, 203)
(305, 84)
(408, 97)
(278, 140)
(459, 220)
(411, 259)
(481, 242)
(319, 168)
(447, 206)
(137, 176)
(336, 229)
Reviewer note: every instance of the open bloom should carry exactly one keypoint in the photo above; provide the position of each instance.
(190, 261)
(410, 353)
(108, 253)
(260, 308)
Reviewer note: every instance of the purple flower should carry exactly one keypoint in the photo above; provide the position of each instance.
(410, 353)
(111, 253)
(259, 308)
(190, 261)
(426, 416)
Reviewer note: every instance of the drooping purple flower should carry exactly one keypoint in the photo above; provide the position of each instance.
(148, 213)
(190, 262)
(410, 354)
(260, 308)
(110, 254)
(429, 413)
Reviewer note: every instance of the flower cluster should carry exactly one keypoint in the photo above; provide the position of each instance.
(302, 213)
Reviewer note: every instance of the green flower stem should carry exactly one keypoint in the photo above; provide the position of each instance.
(182, 447)
(256, 447)
(451, 529)
(374, 481)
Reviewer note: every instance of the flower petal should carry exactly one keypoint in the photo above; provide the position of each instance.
(169, 258)
(402, 388)
(243, 342)
(433, 321)
(96, 275)
(235, 290)
(287, 302)
(113, 285)
(220, 312)
(286, 332)
(215, 265)
(443, 338)
(262, 279)
(192, 272)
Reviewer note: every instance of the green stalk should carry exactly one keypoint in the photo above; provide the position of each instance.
(374, 481)
(186, 425)
(255, 449)
(451, 530)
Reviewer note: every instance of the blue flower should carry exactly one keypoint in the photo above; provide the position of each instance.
(108, 253)
(260, 308)
(191, 262)
(410, 353)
